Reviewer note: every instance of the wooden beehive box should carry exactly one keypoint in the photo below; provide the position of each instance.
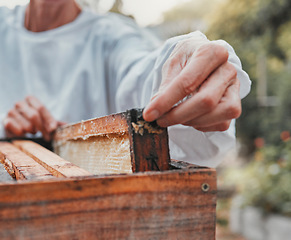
(145, 195)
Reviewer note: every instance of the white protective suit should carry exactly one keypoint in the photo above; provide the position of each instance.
(95, 66)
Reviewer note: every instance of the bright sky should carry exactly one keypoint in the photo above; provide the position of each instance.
(145, 11)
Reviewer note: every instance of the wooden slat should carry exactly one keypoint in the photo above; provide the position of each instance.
(23, 166)
(104, 154)
(115, 123)
(7, 165)
(52, 162)
(176, 164)
(149, 149)
(152, 205)
(148, 144)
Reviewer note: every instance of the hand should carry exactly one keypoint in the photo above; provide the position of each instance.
(30, 116)
(199, 88)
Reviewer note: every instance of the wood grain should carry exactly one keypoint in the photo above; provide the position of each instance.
(49, 160)
(147, 151)
(21, 165)
(103, 154)
(115, 123)
(176, 164)
(152, 205)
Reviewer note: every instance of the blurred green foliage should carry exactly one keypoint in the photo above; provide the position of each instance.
(260, 32)
(259, 28)
(266, 182)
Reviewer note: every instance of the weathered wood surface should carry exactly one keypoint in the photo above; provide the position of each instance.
(115, 123)
(148, 144)
(141, 146)
(21, 165)
(161, 204)
(57, 166)
(176, 164)
(100, 154)
(152, 205)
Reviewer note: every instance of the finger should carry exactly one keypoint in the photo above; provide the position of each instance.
(25, 125)
(180, 56)
(215, 128)
(203, 62)
(173, 66)
(205, 100)
(61, 123)
(30, 114)
(48, 122)
(228, 108)
(47, 136)
(13, 128)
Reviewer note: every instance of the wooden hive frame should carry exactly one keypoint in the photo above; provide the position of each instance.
(143, 146)
(55, 199)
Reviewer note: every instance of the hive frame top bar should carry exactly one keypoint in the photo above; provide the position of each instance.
(149, 148)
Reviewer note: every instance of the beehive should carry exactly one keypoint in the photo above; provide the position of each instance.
(43, 196)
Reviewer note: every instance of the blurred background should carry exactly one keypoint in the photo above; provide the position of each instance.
(255, 179)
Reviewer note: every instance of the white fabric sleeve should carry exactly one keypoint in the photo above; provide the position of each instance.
(245, 81)
(2, 130)
(139, 74)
